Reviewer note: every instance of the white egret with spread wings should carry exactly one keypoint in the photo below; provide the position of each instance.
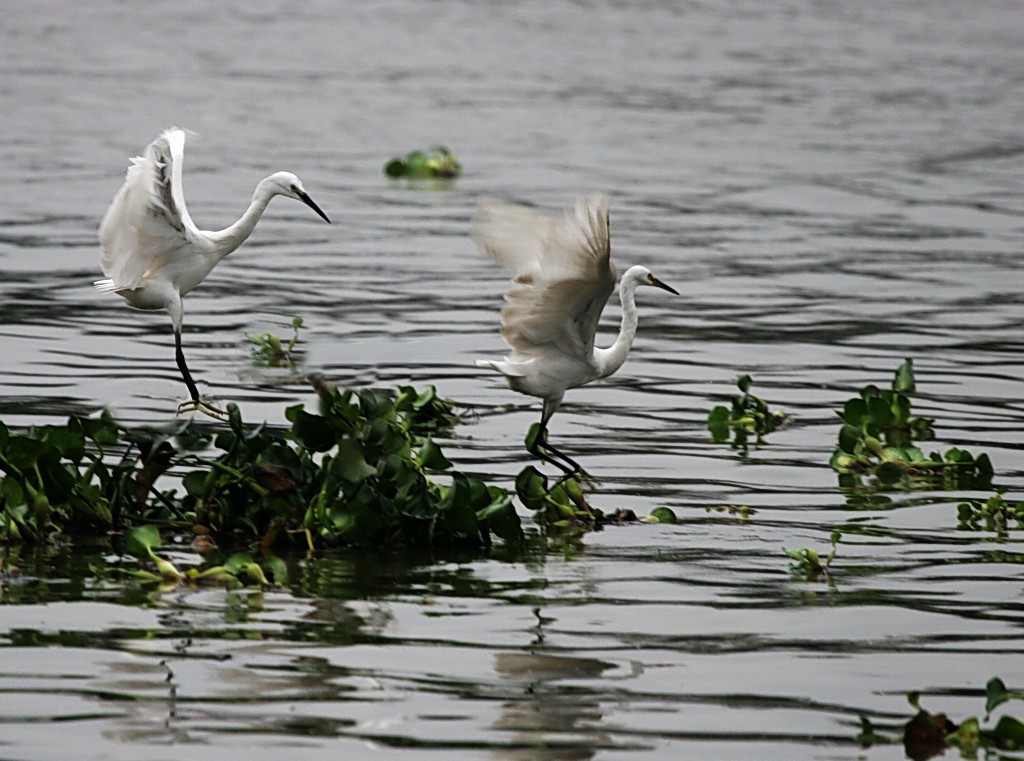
(562, 276)
(153, 254)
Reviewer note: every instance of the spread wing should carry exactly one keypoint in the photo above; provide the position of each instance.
(562, 272)
(147, 222)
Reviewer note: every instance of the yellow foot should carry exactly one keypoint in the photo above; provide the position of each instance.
(584, 479)
(201, 405)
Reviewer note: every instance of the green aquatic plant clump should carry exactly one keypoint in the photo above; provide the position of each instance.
(876, 443)
(270, 350)
(360, 472)
(437, 162)
(748, 414)
(994, 514)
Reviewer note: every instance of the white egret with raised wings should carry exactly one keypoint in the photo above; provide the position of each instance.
(153, 254)
(562, 276)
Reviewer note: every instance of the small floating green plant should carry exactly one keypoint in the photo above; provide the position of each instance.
(808, 563)
(876, 443)
(561, 506)
(994, 514)
(270, 350)
(748, 414)
(436, 162)
(359, 472)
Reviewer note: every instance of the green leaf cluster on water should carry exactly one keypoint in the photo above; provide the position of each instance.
(748, 414)
(928, 735)
(876, 451)
(270, 350)
(561, 506)
(436, 162)
(994, 514)
(353, 473)
(238, 570)
(877, 441)
(807, 562)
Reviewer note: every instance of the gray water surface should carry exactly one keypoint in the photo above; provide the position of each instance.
(831, 187)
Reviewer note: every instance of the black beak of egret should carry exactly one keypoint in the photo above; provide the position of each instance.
(304, 197)
(658, 284)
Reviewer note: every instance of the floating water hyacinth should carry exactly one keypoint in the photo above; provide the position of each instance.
(436, 162)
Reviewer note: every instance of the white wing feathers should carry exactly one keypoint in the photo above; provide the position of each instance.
(147, 222)
(562, 272)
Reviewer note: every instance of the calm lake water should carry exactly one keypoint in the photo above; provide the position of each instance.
(831, 187)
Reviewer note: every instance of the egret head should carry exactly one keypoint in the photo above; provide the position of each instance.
(643, 276)
(287, 184)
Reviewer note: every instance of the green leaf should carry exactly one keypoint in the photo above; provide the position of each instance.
(276, 567)
(879, 412)
(236, 562)
(889, 472)
(350, 463)
(532, 488)
(718, 424)
(500, 515)
(849, 437)
(24, 453)
(663, 515)
(384, 437)
(743, 382)
(195, 483)
(431, 457)
(901, 409)
(69, 442)
(904, 378)
(255, 573)
(1009, 732)
(312, 432)
(995, 694)
(532, 435)
(141, 541)
(854, 411)
(984, 466)
(396, 168)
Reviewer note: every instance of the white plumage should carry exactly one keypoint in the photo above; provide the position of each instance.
(151, 251)
(562, 275)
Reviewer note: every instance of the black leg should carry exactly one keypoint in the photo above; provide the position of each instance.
(541, 443)
(575, 465)
(180, 357)
(537, 451)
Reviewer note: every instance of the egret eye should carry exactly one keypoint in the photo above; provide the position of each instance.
(295, 189)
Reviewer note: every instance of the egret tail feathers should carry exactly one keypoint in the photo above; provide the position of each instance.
(105, 286)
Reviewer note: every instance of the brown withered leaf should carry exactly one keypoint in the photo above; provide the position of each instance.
(154, 463)
(273, 477)
(924, 736)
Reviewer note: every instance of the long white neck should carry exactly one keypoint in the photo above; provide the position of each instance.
(611, 359)
(230, 238)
